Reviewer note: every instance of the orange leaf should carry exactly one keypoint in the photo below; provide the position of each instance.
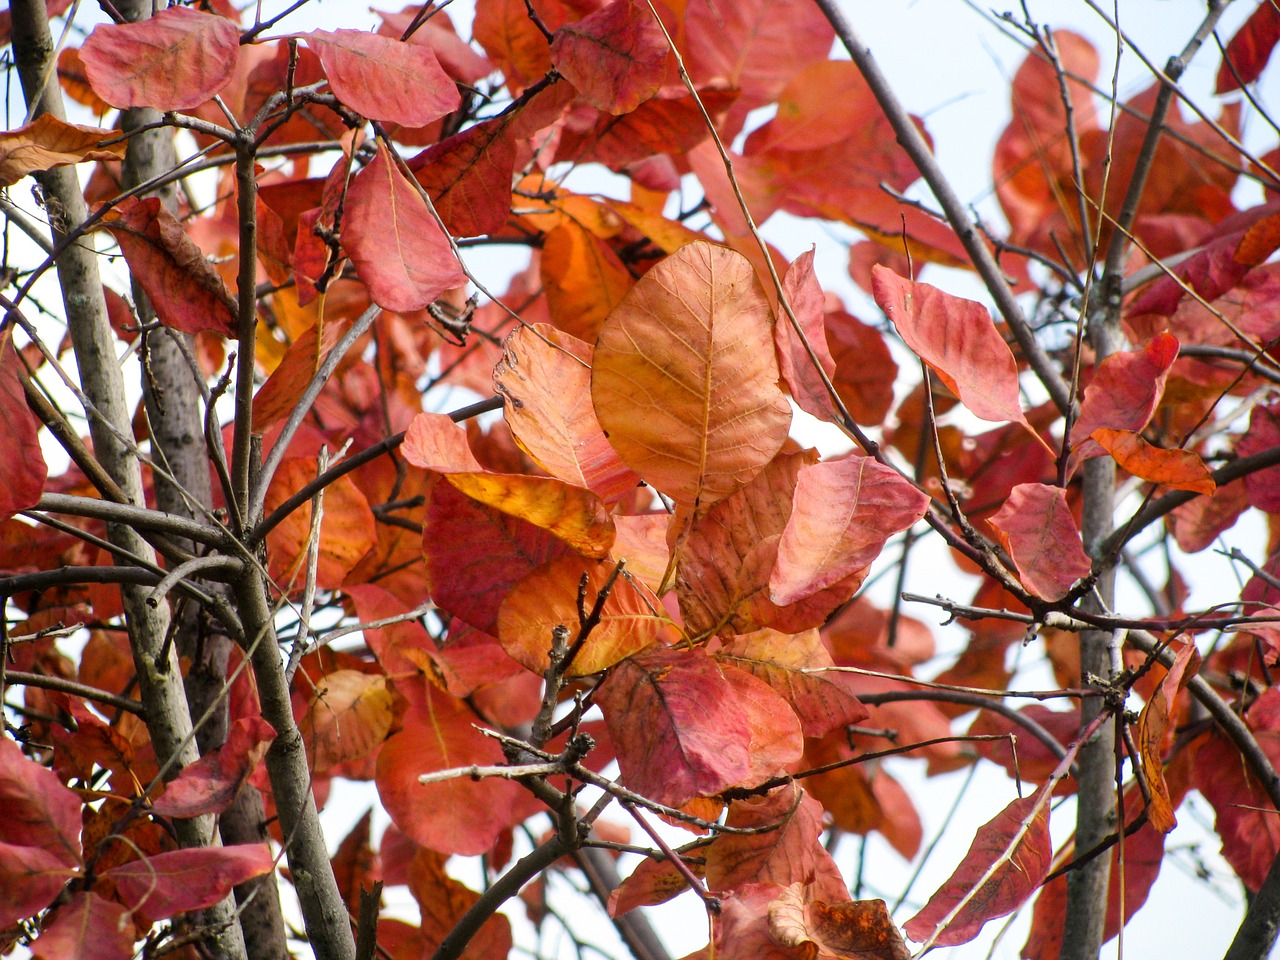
(49, 142)
(1153, 723)
(347, 527)
(583, 278)
(395, 244)
(544, 378)
(1035, 526)
(347, 719)
(548, 597)
(277, 397)
(1028, 853)
(680, 383)
(384, 79)
(789, 853)
(1180, 469)
(848, 930)
(574, 514)
(187, 292)
(175, 60)
(443, 901)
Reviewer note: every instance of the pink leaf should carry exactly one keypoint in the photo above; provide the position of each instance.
(175, 60)
(212, 782)
(1035, 526)
(179, 881)
(23, 472)
(383, 79)
(87, 928)
(616, 57)
(794, 362)
(1126, 387)
(1262, 487)
(397, 247)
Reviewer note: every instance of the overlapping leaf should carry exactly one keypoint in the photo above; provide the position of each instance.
(797, 367)
(211, 783)
(683, 382)
(187, 293)
(175, 60)
(48, 142)
(1036, 528)
(179, 881)
(840, 930)
(616, 57)
(90, 927)
(1180, 469)
(347, 527)
(348, 717)
(397, 247)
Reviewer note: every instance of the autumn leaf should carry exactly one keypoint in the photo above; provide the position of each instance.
(1261, 487)
(676, 724)
(843, 930)
(1020, 835)
(347, 718)
(179, 881)
(959, 342)
(23, 473)
(683, 382)
(574, 514)
(443, 901)
(461, 816)
(211, 783)
(1153, 723)
(1035, 526)
(1126, 388)
(548, 597)
(803, 379)
(865, 369)
(583, 278)
(1180, 469)
(394, 243)
(843, 513)
(175, 60)
(41, 846)
(1249, 50)
(616, 57)
(383, 79)
(187, 293)
(48, 142)
(90, 927)
(544, 379)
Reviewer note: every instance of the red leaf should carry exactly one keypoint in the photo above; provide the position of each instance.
(469, 177)
(1250, 49)
(175, 60)
(958, 340)
(776, 740)
(676, 725)
(476, 554)
(1126, 387)
(1035, 526)
(212, 782)
(616, 57)
(179, 881)
(456, 816)
(797, 369)
(384, 79)
(843, 512)
(865, 369)
(1196, 524)
(1029, 856)
(23, 473)
(87, 928)
(277, 397)
(1180, 469)
(187, 292)
(40, 849)
(792, 665)
(1262, 487)
(395, 244)
(347, 527)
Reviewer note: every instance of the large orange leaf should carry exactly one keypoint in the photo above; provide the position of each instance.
(792, 665)
(583, 278)
(684, 383)
(48, 142)
(476, 554)
(175, 60)
(959, 342)
(574, 514)
(548, 597)
(395, 244)
(1036, 528)
(461, 816)
(842, 930)
(187, 293)
(616, 57)
(347, 527)
(383, 79)
(23, 472)
(676, 724)
(348, 717)
(842, 514)
(544, 378)
(1180, 469)
(1020, 834)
